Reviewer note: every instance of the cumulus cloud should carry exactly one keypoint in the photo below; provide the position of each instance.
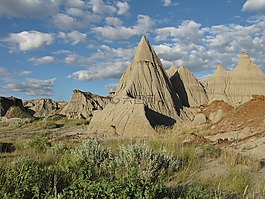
(188, 30)
(106, 63)
(32, 87)
(76, 3)
(42, 60)
(99, 7)
(29, 40)
(144, 25)
(123, 8)
(100, 72)
(29, 8)
(201, 48)
(113, 21)
(65, 22)
(254, 5)
(73, 37)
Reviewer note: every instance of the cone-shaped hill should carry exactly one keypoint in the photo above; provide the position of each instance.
(144, 98)
(237, 86)
(187, 86)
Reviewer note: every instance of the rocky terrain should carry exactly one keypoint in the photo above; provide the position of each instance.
(230, 104)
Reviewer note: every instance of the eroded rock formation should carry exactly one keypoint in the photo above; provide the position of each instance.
(187, 86)
(144, 98)
(43, 107)
(83, 104)
(237, 86)
(7, 102)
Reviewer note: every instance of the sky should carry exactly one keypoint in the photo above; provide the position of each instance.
(50, 47)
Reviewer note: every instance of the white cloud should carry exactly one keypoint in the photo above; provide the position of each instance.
(42, 60)
(29, 40)
(188, 30)
(65, 22)
(254, 5)
(105, 63)
(76, 3)
(73, 37)
(29, 8)
(123, 8)
(101, 8)
(25, 72)
(32, 87)
(167, 2)
(144, 25)
(100, 72)
(201, 48)
(113, 21)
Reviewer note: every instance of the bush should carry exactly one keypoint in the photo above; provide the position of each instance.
(88, 171)
(39, 143)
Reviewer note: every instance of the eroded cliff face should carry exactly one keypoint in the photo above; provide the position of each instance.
(83, 104)
(43, 107)
(237, 86)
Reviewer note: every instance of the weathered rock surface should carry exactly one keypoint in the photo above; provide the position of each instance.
(43, 107)
(144, 98)
(216, 110)
(200, 118)
(186, 85)
(248, 115)
(16, 112)
(7, 102)
(83, 104)
(236, 87)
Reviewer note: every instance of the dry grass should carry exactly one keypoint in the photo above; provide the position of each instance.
(240, 176)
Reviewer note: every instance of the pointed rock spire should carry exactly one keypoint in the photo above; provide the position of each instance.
(145, 52)
(237, 86)
(171, 71)
(144, 98)
(189, 89)
(220, 71)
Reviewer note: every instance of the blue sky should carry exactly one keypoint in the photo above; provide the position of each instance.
(50, 47)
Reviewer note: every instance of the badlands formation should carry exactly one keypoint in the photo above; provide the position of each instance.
(83, 104)
(149, 96)
(236, 87)
(144, 98)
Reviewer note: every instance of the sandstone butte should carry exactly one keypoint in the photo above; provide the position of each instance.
(144, 99)
(237, 86)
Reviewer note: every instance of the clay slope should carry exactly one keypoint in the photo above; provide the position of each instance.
(43, 107)
(144, 98)
(186, 85)
(216, 110)
(83, 104)
(250, 114)
(237, 86)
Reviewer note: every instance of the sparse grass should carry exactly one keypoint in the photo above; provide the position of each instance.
(126, 166)
(232, 158)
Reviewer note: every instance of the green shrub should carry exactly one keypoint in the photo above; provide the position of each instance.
(39, 143)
